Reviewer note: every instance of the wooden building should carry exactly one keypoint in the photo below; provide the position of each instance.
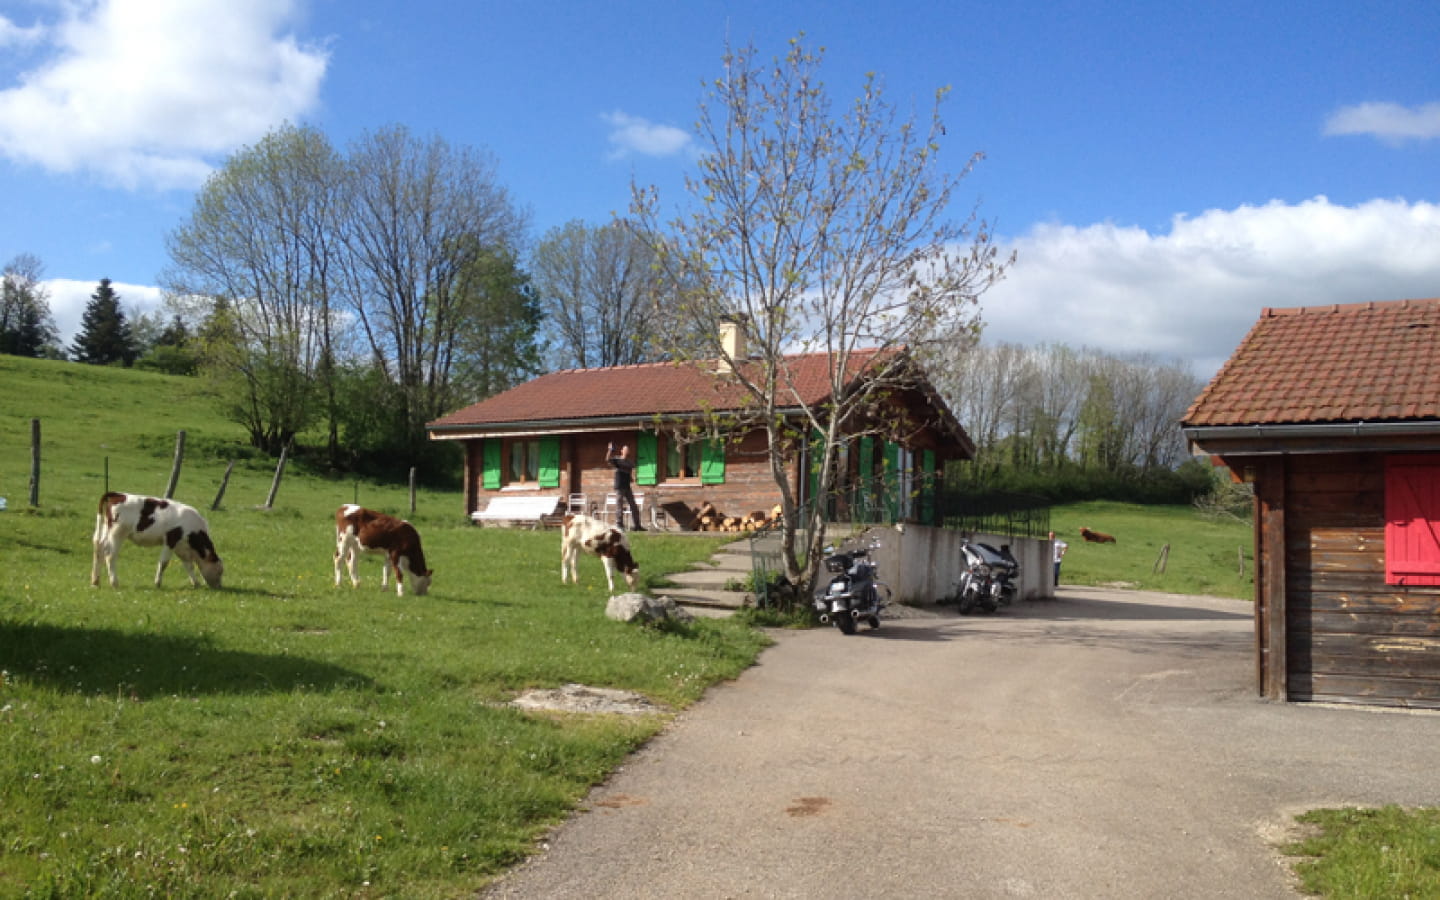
(547, 438)
(1333, 413)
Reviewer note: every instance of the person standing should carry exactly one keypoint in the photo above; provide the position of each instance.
(1058, 548)
(624, 473)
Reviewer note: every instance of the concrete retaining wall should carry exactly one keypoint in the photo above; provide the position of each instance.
(922, 563)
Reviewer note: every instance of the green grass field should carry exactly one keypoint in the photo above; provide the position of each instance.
(1204, 556)
(281, 736)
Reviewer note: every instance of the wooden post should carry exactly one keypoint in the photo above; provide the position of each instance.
(1270, 578)
(412, 490)
(1240, 554)
(175, 466)
(279, 470)
(34, 462)
(224, 482)
(1161, 560)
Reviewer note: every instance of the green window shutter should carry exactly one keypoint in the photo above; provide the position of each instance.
(712, 463)
(892, 481)
(647, 458)
(817, 455)
(927, 488)
(865, 488)
(549, 462)
(490, 468)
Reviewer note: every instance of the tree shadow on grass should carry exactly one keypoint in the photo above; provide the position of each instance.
(144, 666)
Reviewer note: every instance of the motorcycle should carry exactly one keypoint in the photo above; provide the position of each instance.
(853, 593)
(989, 579)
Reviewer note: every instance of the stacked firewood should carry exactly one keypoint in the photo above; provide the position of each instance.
(708, 518)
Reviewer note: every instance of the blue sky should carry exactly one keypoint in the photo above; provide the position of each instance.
(1164, 170)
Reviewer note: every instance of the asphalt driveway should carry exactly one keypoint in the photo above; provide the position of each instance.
(1102, 744)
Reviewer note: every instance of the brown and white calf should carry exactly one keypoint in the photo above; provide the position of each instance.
(597, 538)
(359, 530)
(177, 529)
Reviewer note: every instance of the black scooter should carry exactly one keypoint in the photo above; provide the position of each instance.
(853, 593)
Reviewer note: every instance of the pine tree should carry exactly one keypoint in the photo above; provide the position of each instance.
(105, 336)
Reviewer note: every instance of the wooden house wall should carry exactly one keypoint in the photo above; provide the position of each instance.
(585, 469)
(1350, 637)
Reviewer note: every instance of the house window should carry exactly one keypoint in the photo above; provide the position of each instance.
(524, 462)
(682, 460)
(1412, 520)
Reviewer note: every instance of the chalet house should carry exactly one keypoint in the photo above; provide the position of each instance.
(1333, 413)
(547, 439)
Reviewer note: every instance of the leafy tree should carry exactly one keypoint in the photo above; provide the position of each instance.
(26, 326)
(263, 236)
(604, 294)
(827, 233)
(170, 350)
(105, 336)
(495, 291)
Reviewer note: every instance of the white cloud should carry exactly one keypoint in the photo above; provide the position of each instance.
(1193, 293)
(1387, 121)
(69, 297)
(12, 35)
(632, 134)
(148, 92)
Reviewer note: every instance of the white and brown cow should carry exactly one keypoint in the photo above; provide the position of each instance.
(359, 530)
(151, 521)
(602, 540)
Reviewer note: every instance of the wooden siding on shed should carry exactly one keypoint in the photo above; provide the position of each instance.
(1351, 637)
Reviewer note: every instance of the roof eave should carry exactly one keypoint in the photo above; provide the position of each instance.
(472, 430)
(1326, 437)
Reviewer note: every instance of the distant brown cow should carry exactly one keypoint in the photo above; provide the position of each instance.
(359, 530)
(1096, 537)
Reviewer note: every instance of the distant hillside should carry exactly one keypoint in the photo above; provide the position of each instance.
(91, 414)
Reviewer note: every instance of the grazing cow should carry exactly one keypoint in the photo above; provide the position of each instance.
(359, 530)
(149, 521)
(595, 537)
(1096, 537)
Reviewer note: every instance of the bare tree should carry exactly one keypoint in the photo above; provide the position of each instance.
(421, 214)
(984, 385)
(26, 326)
(1041, 408)
(828, 234)
(603, 292)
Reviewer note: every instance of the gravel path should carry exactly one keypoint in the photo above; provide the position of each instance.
(1103, 744)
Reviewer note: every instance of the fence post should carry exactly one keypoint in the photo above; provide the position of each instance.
(279, 470)
(175, 466)
(412, 490)
(34, 462)
(224, 482)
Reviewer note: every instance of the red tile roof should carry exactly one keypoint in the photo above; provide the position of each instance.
(1361, 362)
(639, 390)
